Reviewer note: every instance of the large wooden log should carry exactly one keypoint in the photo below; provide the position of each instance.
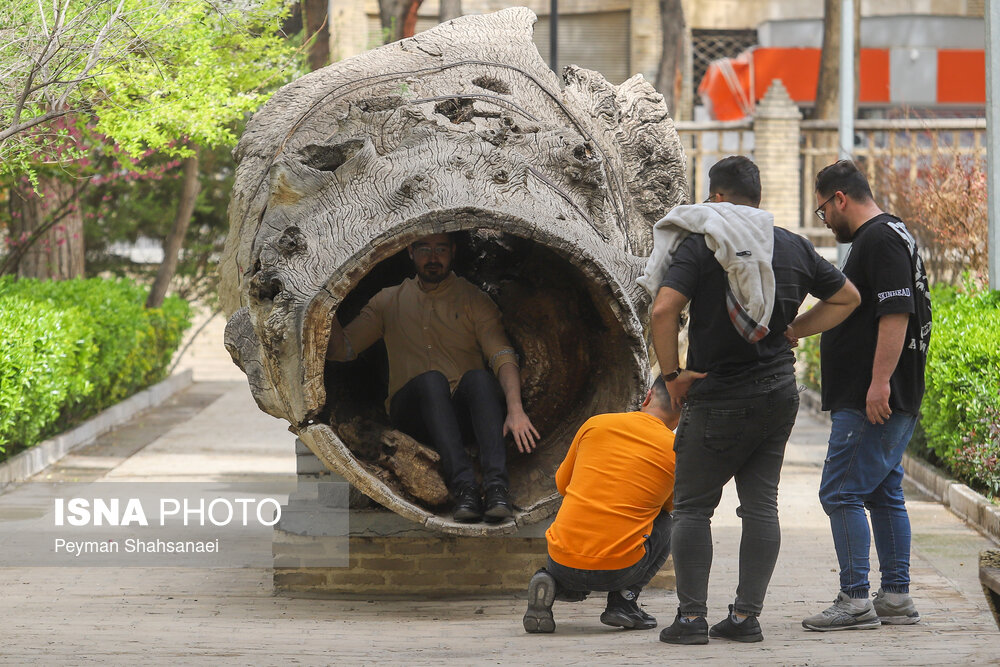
(462, 128)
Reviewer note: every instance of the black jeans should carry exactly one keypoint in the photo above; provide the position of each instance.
(634, 577)
(426, 409)
(741, 433)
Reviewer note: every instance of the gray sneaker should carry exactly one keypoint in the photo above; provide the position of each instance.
(541, 595)
(843, 615)
(901, 612)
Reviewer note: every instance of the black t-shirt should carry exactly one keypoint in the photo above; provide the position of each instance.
(884, 264)
(714, 345)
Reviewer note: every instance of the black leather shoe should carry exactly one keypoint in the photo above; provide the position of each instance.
(468, 505)
(623, 612)
(498, 505)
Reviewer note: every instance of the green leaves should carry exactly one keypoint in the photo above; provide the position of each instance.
(156, 74)
(962, 404)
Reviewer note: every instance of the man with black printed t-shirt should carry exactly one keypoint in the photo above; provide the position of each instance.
(873, 382)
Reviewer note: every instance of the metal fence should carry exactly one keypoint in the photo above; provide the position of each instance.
(879, 145)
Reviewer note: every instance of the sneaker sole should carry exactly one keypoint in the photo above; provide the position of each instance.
(686, 640)
(899, 620)
(538, 618)
(867, 625)
(623, 621)
(759, 637)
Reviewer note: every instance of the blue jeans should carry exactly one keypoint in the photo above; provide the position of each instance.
(863, 470)
(634, 577)
(738, 432)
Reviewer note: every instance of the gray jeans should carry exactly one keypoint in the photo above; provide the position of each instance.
(634, 577)
(738, 433)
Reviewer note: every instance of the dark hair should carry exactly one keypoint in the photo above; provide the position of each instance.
(661, 395)
(843, 176)
(737, 177)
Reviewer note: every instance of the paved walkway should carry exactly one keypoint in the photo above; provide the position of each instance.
(213, 431)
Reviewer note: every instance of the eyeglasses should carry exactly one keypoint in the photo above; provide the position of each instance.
(427, 251)
(820, 213)
(711, 198)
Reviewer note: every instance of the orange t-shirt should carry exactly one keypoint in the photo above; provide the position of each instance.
(617, 477)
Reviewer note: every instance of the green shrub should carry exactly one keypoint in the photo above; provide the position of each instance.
(42, 352)
(962, 402)
(70, 349)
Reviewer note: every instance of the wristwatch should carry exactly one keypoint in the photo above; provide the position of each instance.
(670, 377)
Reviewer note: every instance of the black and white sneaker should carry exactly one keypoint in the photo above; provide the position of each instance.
(623, 611)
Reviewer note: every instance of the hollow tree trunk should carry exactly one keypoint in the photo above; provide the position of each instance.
(174, 242)
(58, 252)
(552, 192)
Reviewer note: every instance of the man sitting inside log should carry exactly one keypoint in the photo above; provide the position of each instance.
(612, 532)
(440, 332)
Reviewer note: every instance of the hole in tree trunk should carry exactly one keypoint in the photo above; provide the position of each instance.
(575, 357)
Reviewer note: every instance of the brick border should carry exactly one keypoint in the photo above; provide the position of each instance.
(32, 461)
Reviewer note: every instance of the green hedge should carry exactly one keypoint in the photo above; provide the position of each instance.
(72, 348)
(960, 414)
(961, 409)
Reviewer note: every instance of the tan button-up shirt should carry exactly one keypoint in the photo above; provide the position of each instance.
(453, 329)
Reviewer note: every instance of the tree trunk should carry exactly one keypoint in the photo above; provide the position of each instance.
(552, 192)
(669, 74)
(58, 252)
(175, 241)
(449, 9)
(317, 26)
(399, 18)
(828, 86)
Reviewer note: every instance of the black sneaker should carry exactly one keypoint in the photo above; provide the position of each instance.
(498, 506)
(624, 612)
(686, 631)
(541, 594)
(468, 505)
(747, 630)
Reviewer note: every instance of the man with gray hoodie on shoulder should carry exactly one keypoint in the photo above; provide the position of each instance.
(745, 280)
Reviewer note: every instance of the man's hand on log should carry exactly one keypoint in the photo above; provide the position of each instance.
(519, 425)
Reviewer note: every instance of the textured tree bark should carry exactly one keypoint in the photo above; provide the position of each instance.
(173, 244)
(551, 191)
(58, 252)
(668, 77)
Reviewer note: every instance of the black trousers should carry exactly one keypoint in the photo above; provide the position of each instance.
(426, 409)
(740, 432)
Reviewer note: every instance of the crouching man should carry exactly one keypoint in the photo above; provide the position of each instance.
(612, 532)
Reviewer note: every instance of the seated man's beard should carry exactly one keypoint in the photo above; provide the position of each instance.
(441, 273)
